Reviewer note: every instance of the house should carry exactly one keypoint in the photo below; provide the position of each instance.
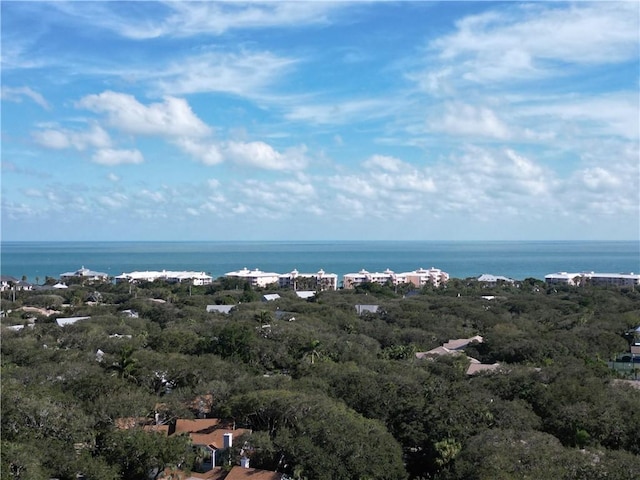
(209, 435)
(306, 294)
(220, 308)
(456, 347)
(360, 309)
(481, 367)
(270, 297)
(7, 282)
(461, 343)
(84, 274)
(492, 280)
(130, 313)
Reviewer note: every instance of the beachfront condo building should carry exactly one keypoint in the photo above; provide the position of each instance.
(418, 278)
(255, 277)
(309, 281)
(593, 278)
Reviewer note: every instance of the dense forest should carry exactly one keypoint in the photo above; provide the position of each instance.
(328, 394)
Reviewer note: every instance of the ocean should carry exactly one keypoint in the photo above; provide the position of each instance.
(518, 260)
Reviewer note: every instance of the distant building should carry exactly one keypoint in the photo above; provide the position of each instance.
(255, 277)
(352, 280)
(418, 278)
(563, 278)
(309, 281)
(360, 309)
(220, 308)
(84, 274)
(593, 278)
(422, 277)
(493, 280)
(195, 278)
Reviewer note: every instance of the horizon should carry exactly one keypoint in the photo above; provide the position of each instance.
(327, 241)
(466, 121)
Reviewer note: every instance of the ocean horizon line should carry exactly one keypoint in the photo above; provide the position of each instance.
(328, 241)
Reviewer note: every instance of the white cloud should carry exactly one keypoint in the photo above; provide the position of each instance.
(15, 94)
(112, 157)
(599, 178)
(156, 197)
(530, 41)
(61, 138)
(182, 19)
(205, 151)
(468, 120)
(262, 155)
(616, 114)
(113, 177)
(384, 162)
(245, 74)
(113, 201)
(342, 112)
(173, 117)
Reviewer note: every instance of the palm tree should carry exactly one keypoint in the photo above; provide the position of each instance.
(126, 365)
(263, 316)
(312, 351)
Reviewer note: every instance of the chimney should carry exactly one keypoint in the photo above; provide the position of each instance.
(244, 462)
(228, 440)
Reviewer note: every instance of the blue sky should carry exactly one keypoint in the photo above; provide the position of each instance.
(314, 120)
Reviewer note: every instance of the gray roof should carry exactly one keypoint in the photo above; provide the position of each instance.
(270, 297)
(220, 308)
(367, 308)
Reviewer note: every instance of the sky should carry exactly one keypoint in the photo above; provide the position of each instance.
(317, 120)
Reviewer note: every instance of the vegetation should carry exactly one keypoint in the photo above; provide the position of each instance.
(327, 394)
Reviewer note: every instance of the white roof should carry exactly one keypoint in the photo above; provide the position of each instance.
(306, 294)
(245, 272)
(69, 320)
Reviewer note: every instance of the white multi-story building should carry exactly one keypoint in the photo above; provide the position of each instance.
(419, 278)
(309, 281)
(196, 278)
(352, 280)
(255, 277)
(563, 278)
(593, 278)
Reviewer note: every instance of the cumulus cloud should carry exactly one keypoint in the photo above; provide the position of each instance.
(111, 157)
(173, 117)
(384, 162)
(60, 138)
(15, 94)
(469, 120)
(263, 155)
(206, 151)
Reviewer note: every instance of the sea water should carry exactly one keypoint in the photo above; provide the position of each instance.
(518, 260)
